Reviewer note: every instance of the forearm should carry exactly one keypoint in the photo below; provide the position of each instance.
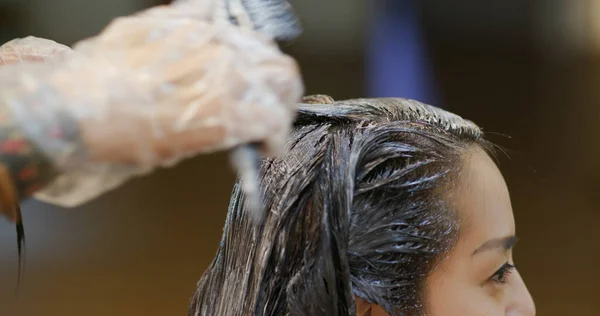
(24, 169)
(64, 116)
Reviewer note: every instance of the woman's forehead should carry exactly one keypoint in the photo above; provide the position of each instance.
(483, 202)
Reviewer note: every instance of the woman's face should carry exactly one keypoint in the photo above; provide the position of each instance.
(477, 277)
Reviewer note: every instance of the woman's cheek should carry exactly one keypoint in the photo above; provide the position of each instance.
(466, 300)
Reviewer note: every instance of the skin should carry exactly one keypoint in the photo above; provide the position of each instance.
(466, 282)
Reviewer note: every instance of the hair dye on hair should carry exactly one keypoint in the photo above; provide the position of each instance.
(356, 206)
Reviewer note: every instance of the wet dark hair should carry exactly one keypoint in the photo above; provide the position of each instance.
(356, 206)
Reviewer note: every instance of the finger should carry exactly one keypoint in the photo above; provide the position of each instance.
(274, 144)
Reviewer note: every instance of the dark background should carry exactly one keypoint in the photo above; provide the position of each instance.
(527, 69)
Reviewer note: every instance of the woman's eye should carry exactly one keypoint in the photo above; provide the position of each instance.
(502, 274)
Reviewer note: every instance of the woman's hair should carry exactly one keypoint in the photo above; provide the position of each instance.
(356, 206)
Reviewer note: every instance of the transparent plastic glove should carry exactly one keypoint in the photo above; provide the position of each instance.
(150, 90)
(32, 49)
(29, 49)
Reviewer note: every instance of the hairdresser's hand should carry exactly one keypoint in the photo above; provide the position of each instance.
(200, 87)
(150, 91)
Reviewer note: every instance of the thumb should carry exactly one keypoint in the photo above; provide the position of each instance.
(31, 49)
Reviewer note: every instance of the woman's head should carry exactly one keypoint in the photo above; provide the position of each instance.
(389, 203)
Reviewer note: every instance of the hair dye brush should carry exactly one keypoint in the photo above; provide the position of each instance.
(277, 19)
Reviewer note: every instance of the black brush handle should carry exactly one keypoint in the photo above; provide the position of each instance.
(20, 248)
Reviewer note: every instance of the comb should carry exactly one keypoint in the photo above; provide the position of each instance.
(278, 20)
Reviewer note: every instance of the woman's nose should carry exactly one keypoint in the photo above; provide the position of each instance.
(521, 303)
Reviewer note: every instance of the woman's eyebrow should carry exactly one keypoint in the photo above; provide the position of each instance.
(498, 244)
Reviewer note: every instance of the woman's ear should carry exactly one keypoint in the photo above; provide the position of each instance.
(364, 308)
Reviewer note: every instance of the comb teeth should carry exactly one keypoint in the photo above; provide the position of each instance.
(276, 18)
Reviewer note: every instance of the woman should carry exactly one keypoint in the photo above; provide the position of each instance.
(151, 89)
(378, 207)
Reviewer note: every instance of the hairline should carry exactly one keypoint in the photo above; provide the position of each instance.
(450, 203)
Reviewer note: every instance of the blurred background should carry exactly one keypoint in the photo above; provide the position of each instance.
(527, 71)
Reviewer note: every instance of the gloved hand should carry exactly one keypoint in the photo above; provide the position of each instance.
(150, 90)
